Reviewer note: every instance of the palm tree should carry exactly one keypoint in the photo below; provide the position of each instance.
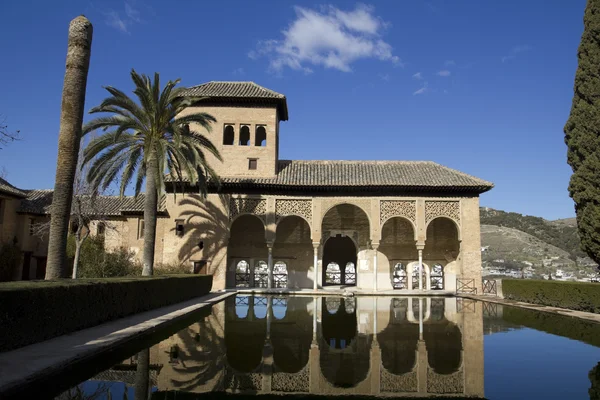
(71, 117)
(144, 142)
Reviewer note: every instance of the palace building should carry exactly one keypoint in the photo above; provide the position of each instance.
(294, 224)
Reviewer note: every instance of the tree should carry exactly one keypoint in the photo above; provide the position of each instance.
(148, 140)
(582, 134)
(6, 136)
(71, 118)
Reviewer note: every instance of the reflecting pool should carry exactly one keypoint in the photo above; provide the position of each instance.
(370, 346)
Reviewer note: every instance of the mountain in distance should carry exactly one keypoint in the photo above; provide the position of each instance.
(521, 245)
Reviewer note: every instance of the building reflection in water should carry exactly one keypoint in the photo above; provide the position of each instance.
(328, 345)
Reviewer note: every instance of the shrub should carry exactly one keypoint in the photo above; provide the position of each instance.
(10, 257)
(579, 296)
(96, 262)
(172, 268)
(33, 311)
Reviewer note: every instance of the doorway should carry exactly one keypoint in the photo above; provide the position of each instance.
(339, 261)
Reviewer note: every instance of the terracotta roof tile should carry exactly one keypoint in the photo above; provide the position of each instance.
(395, 175)
(8, 189)
(39, 202)
(238, 90)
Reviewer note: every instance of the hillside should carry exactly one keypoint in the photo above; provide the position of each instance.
(511, 240)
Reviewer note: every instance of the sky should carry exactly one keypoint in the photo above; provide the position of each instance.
(484, 87)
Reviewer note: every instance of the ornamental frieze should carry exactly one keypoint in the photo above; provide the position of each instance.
(239, 206)
(398, 208)
(299, 207)
(291, 383)
(442, 384)
(405, 383)
(434, 209)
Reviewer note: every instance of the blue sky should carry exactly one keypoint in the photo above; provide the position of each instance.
(481, 86)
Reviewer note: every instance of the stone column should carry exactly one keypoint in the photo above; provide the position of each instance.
(420, 269)
(270, 264)
(422, 354)
(314, 339)
(316, 266)
(375, 246)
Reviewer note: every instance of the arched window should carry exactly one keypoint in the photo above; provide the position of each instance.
(242, 274)
(228, 135)
(280, 274)
(332, 304)
(437, 277)
(333, 274)
(350, 274)
(261, 274)
(245, 136)
(350, 305)
(260, 138)
(415, 277)
(399, 280)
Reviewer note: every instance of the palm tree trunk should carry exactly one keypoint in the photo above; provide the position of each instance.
(150, 210)
(142, 375)
(71, 118)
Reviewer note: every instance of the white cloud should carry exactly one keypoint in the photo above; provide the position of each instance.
(449, 63)
(123, 21)
(515, 51)
(331, 38)
(422, 90)
(418, 76)
(385, 77)
(444, 73)
(239, 71)
(114, 20)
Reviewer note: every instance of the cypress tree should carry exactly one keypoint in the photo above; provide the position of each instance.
(582, 134)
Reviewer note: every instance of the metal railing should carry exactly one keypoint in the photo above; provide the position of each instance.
(465, 286)
(489, 287)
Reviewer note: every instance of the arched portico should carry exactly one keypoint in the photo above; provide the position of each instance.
(441, 252)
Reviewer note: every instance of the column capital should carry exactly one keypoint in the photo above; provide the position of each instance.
(316, 245)
(420, 247)
(374, 245)
(270, 245)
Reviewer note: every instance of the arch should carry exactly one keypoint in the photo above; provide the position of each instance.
(260, 136)
(399, 340)
(280, 274)
(333, 304)
(413, 268)
(279, 307)
(291, 338)
(399, 276)
(346, 203)
(247, 243)
(242, 274)
(444, 346)
(442, 217)
(243, 214)
(442, 241)
(338, 252)
(293, 244)
(412, 224)
(261, 274)
(261, 307)
(436, 277)
(283, 218)
(350, 273)
(244, 135)
(245, 338)
(242, 307)
(228, 135)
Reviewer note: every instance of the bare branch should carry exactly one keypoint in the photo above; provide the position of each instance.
(6, 136)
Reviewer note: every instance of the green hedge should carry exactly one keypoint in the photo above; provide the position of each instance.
(581, 296)
(572, 328)
(34, 311)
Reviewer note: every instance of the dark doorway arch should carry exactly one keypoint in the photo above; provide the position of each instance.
(339, 250)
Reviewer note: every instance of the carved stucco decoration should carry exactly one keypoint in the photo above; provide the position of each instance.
(256, 207)
(434, 209)
(398, 208)
(237, 381)
(405, 383)
(441, 384)
(299, 207)
(363, 204)
(291, 383)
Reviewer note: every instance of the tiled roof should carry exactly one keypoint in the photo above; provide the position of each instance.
(39, 202)
(237, 91)
(363, 175)
(8, 189)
